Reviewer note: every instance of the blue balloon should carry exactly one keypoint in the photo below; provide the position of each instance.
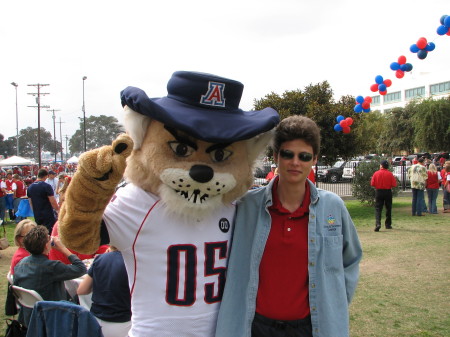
(340, 118)
(403, 67)
(430, 46)
(422, 54)
(408, 67)
(360, 99)
(414, 48)
(442, 30)
(379, 79)
(395, 66)
(366, 110)
(358, 108)
(337, 127)
(442, 20)
(382, 87)
(447, 22)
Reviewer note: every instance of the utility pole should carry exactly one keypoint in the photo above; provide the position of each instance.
(54, 131)
(67, 138)
(84, 116)
(17, 120)
(38, 102)
(60, 137)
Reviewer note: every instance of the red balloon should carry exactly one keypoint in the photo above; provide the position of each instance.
(448, 33)
(349, 121)
(383, 93)
(421, 43)
(399, 73)
(374, 87)
(343, 123)
(388, 83)
(346, 129)
(368, 99)
(365, 105)
(402, 60)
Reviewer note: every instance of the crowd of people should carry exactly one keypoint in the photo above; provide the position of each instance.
(42, 263)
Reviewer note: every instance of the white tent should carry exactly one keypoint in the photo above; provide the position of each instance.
(15, 161)
(73, 160)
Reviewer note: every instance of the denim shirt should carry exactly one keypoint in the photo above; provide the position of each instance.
(56, 319)
(47, 277)
(334, 253)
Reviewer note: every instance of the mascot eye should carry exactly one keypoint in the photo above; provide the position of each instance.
(181, 149)
(220, 155)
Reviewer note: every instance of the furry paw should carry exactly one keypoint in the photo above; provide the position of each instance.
(107, 164)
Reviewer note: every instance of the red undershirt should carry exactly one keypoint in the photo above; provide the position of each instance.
(283, 271)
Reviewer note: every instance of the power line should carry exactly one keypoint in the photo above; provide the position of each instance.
(60, 137)
(38, 102)
(54, 131)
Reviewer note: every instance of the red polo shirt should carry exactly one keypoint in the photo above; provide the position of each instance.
(283, 271)
(383, 179)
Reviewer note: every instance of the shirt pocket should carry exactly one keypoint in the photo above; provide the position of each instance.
(332, 253)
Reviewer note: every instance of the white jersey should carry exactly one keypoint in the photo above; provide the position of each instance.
(176, 268)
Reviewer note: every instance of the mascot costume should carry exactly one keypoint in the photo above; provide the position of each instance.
(186, 157)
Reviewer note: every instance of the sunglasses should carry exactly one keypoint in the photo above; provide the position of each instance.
(303, 156)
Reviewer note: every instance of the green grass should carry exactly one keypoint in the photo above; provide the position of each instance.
(405, 274)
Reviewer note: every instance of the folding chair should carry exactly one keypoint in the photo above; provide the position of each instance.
(26, 297)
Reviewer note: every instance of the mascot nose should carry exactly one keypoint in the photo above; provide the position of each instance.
(201, 173)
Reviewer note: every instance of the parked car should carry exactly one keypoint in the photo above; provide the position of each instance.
(349, 169)
(332, 174)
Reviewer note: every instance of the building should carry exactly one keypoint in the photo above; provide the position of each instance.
(412, 86)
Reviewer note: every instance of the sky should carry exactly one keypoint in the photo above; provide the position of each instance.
(268, 45)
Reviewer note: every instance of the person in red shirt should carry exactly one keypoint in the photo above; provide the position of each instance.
(383, 180)
(22, 228)
(271, 174)
(432, 186)
(20, 191)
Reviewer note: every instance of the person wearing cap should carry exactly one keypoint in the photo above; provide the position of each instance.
(271, 174)
(383, 181)
(294, 262)
(418, 176)
(53, 182)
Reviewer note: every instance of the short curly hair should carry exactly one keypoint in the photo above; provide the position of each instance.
(297, 127)
(36, 240)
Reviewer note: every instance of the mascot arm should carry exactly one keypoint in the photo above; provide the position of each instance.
(94, 183)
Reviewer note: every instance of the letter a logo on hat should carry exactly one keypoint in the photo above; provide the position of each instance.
(214, 96)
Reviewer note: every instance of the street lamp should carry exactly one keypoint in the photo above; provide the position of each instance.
(84, 116)
(17, 121)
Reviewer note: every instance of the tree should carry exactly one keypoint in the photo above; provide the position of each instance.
(316, 102)
(28, 141)
(368, 132)
(101, 130)
(398, 133)
(432, 124)
(6, 148)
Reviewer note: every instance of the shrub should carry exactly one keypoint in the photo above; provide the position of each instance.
(361, 188)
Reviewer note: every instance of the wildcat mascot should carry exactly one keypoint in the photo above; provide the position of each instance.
(186, 158)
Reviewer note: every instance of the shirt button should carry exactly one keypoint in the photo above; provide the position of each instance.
(313, 285)
(311, 264)
(313, 216)
(313, 308)
(289, 229)
(312, 240)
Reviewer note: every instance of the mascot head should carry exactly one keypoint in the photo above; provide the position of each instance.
(194, 148)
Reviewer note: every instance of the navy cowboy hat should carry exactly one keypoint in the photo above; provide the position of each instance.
(203, 105)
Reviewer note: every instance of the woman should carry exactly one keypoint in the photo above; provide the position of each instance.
(22, 228)
(445, 186)
(432, 185)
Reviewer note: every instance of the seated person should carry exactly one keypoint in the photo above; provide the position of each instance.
(57, 255)
(111, 300)
(37, 272)
(22, 228)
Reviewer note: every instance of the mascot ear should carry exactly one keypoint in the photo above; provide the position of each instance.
(136, 125)
(258, 143)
